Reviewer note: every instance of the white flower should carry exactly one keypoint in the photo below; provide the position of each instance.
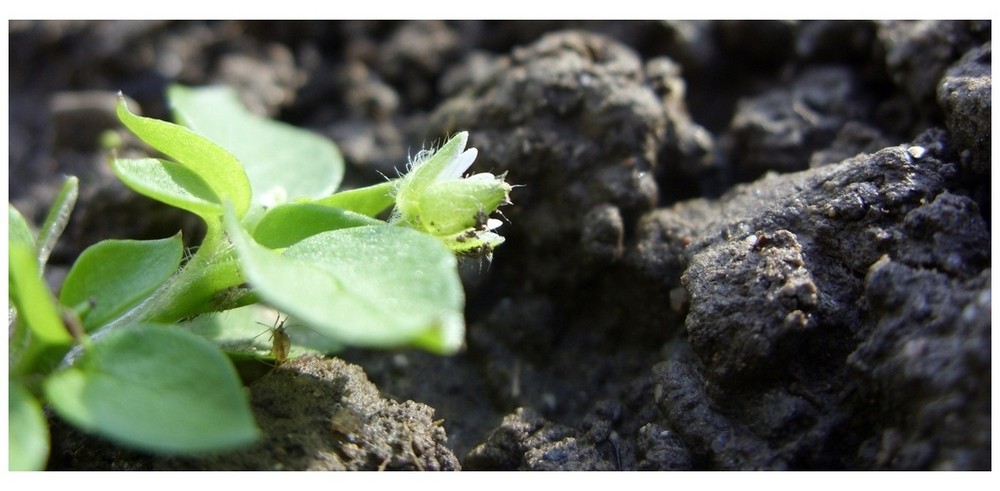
(434, 197)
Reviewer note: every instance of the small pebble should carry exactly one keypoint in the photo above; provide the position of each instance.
(916, 151)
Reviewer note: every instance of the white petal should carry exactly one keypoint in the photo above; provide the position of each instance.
(482, 176)
(458, 165)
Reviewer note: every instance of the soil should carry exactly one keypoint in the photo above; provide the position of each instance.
(734, 245)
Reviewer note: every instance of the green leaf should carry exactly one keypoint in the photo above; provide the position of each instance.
(19, 231)
(283, 162)
(376, 286)
(155, 388)
(369, 201)
(118, 274)
(28, 440)
(221, 172)
(39, 338)
(170, 183)
(57, 219)
(35, 304)
(289, 223)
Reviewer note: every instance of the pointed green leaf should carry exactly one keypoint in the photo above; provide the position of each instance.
(116, 275)
(289, 223)
(221, 172)
(369, 201)
(283, 162)
(35, 304)
(155, 388)
(377, 286)
(170, 183)
(57, 219)
(28, 440)
(19, 231)
(40, 338)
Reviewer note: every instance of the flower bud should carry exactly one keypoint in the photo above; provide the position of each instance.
(433, 197)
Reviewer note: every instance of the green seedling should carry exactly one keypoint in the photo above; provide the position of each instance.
(138, 345)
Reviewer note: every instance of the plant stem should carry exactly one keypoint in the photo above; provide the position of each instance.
(174, 299)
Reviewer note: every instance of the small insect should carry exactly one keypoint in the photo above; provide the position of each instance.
(280, 343)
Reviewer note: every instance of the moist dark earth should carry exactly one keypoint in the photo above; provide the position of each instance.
(733, 245)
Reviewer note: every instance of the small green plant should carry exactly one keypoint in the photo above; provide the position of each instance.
(138, 347)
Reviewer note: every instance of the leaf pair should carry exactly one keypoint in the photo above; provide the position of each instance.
(223, 153)
(201, 180)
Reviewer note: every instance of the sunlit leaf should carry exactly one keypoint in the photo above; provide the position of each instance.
(160, 389)
(28, 440)
(289, 223)
(377, 286)
(220, 171)
(170, 183)
(282, 162)
(18, 229)
(115, 275)
(370, 200)
(35, 304)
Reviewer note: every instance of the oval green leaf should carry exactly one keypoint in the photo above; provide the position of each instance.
(289, 223)
(374, 286)
(170, 183)
(155, 388)
(282, 162)
(28, 440)
(118, 274)
(218, 168)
